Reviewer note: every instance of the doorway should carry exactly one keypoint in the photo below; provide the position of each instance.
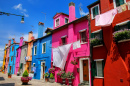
(42, 70)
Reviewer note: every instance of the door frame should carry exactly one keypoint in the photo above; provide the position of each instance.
(42, 70)
(81, 68)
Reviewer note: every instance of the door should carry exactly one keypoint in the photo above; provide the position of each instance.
(85, 70)
(10, 68)
(42, 70)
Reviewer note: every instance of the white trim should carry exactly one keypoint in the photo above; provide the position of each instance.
(55, 22)
(98, 77)
(42, 70)
(114, 3)
(81, 69)
(123, 23)
(68, 20)
(82, 30)
(98, 59)
(34, 50)
(97, 31)
(63, 36)
(92, 11)
(45, 47)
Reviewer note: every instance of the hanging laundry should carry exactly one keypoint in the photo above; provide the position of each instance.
(34, 69)
(119, 9)
(123, 7)
(105, 19)
(60, 54)
(128, 3)
(76, 45)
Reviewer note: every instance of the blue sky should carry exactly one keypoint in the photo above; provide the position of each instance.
(10, 26)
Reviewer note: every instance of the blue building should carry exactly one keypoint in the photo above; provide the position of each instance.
(12, 56)
(41, 52)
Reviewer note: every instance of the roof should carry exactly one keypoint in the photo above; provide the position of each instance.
(48, 29)
(60, 14)
(98, 1)
(75, 21)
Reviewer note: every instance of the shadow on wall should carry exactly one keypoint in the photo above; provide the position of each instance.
(8, 84)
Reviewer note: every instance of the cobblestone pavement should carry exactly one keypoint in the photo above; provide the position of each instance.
(15, 81)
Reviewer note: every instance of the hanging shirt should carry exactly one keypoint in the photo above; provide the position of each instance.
(34, 69)
(128, 3)
(123, 7)
(76, 45)
(105, 19)
(119, 9)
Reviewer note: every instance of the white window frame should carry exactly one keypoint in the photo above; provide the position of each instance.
(68, 20)
(34, 64)
(114, 2)
(45, 47)
(97, 67)
(92, 11)
(55, 22)
(83, 30)
(123, 23)
(34, 50)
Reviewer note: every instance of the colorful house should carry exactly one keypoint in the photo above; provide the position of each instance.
(29, 52)
(17, 64)
(7, 57)
(41, 52)
(110, 53)
(12, 55)
(75, 31)
(24, 49)
(4, 59)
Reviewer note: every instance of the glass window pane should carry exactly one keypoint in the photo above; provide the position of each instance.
(99, 69)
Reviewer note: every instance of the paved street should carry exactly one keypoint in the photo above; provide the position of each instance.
(15, 81)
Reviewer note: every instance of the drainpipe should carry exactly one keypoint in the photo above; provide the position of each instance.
(89, 24)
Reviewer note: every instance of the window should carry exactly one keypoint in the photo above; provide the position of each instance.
(44, 48)
(17, 54)
(33, 64)
(63, 40)
(11, 58)
(95, 11)
(118, 2)
(8, 59)
(98, 67)
(97, 34)
(35, 50)
(13, 48)
(66, 20)
(122, 26)
(57, 22)
(83, 36)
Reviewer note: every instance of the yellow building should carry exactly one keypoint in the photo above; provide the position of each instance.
(4, 59)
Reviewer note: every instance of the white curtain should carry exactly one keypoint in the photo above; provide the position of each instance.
(60, 54)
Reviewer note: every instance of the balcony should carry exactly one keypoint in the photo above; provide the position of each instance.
(96, 42)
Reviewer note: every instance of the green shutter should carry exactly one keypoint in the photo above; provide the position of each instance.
(128, 25)
(103, 64)
(94, 69)
(101, 34)
(92, 35)
(121, 2)
(116, 28)
(21, 65)
(96, 10)
(44, 45)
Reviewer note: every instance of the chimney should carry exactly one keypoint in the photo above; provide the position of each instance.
(40, 29)
(21, 41)
(30, 35)
(71, 11)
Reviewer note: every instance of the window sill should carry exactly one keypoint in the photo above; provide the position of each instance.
(43, 52)
(84, 42)
(125, 40)
(97, 46)
(99, 77)
(35, 54)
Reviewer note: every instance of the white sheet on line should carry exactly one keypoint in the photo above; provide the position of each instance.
(76, 45)
(60, 54)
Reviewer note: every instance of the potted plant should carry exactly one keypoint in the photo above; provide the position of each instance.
(63, 77)
(9, 74)
(52, 70)
(51, 79)
(25, 79)
(96, 41)
(70, 76)
(18, 73)
(46, 76)
(74, 62)
(59, 76)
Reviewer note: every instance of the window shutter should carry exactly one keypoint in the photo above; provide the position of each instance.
(44, 49)
(60, 41)
(116, 28)
(101, 34)
(103, 64)
(78, 36)
(92, 35)
(99, 69)
(96, 10)
(128, 25)
(121, 2)
(94, 70)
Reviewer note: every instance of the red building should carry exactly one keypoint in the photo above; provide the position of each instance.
(110, 53)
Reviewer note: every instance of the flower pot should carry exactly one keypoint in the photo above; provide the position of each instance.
(25, 82)
(46, 79)
(9, 76)
(69, 81)
(52, 80)
(63, 81)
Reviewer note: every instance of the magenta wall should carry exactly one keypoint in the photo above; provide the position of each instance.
(71, 31)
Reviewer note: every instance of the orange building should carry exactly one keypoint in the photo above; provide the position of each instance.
(110, 53)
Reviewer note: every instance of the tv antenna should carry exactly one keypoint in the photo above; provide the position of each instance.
(80, 9)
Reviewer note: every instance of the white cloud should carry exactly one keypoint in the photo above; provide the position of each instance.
(20, 8)
(82, 13)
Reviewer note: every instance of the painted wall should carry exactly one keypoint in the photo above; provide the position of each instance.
(4, 59)
(12, 54)
(18, 55)
(72, 31)
(42, 57)
(116, 56)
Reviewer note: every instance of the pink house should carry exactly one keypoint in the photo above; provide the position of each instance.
(7, 57)
(67, 30)
(18, 55)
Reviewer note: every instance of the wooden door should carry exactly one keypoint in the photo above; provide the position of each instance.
(43, 70)
(10, 68)
(85, 70)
